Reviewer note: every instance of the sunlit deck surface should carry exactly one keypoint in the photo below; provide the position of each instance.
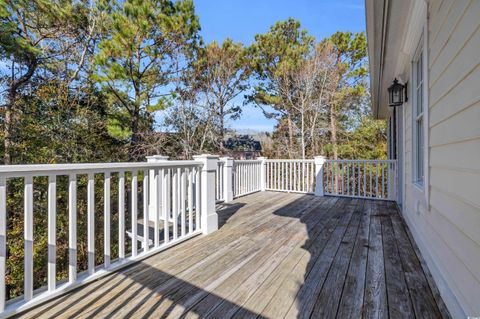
(276, 255)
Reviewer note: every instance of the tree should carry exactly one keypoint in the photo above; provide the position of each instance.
(276, 54)
(307, 86)
(350, 52)
(224, 72)
(191, 118)
(139, 57)
(35, 35)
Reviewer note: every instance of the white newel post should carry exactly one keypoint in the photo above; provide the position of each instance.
(319, 163)
(227, 179)
(152, 187)
(263, 171)
(209, 217)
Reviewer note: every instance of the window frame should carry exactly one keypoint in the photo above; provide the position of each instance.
(420, 153)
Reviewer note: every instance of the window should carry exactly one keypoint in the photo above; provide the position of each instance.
(418, 87)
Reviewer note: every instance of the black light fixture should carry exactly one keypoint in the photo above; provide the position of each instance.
(397, 93)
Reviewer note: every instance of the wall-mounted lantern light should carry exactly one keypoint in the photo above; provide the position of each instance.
(397, 93)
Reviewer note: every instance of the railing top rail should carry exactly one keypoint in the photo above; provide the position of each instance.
(247, 161)
(361, 161)
(291, 160)
(64, 169)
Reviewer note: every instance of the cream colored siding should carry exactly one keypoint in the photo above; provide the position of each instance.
(448, 231)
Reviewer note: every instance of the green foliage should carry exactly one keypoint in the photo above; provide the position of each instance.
(139, 55)
(367, 141)
(274, 53)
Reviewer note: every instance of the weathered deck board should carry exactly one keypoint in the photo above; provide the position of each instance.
(375, 300)
(276, 255)
(351, 302)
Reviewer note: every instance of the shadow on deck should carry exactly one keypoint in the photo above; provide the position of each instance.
(276, 255)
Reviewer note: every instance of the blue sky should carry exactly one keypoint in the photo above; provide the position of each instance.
(242, 19)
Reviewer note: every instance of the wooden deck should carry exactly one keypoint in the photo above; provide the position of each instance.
(276, 255)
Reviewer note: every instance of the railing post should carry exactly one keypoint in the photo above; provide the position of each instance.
(209, 217)
(227, 179)
(152, 186)
(319, 163)
(263, 171)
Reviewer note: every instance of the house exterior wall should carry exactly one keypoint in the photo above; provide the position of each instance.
(445, 221)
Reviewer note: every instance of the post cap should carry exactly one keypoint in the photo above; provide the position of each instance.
(319, 159)
(207, 156)
(157, 158)
(227, 160)
(209, 160)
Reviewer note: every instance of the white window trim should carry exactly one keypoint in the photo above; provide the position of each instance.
(421, 188)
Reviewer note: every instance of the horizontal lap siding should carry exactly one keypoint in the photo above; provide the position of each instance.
(448, 231)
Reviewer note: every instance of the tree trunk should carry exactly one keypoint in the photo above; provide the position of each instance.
(134, 128)
(303, 136)
(290, 136)
(333, 132)
(7, 142)
(222, 131)
(135, 135)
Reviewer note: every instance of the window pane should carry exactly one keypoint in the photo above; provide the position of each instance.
(417, 111)
(420, 102)
(419, 150)
(418, 96)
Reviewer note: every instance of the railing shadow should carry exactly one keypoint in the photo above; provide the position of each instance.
(156, 295)
(142, 291)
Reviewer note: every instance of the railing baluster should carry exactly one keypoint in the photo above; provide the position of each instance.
(52, 226)
(365, 179)
(197, 198)
(134, 211)
(376, 182)
(146, 228)
(183, 201)
(175, 203)
(121, 215)
(160, 204)
(72, 228)
(166, 204)
(371, 173)
(383, 181)
(190, 200)
(106, 219)
(332, 176)
(348, 179)
(28, 232)
(91, 223)
(336, 177)
(3, 240)
(359, 178)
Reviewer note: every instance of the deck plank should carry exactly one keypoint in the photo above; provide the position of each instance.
(327, 302)
(308, 292)
(375, 299)
(424, 303)
(399, 303)
(351, 301)
(268, 290)
(276, 255)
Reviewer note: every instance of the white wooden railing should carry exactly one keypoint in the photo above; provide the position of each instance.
(182, 209)
(155, 205)
(360, 178)
(246, 177)
(219, 181)
(290, 175)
